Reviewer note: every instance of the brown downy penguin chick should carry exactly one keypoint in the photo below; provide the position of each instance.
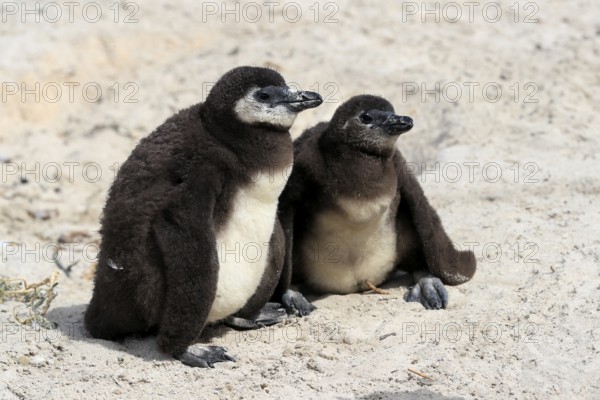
(189, 233)
(356, 213)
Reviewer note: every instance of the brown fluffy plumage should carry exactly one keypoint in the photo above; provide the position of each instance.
(158, 267)
(341, 162)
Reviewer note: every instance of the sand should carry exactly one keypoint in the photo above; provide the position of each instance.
(513, 175)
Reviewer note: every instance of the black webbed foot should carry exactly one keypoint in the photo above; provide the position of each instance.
(430, 292)
(204, 356)
(296, 304)
(270, 314)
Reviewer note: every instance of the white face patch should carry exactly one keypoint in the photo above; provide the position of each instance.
(346, 247)
(243, 243)
(250, 110)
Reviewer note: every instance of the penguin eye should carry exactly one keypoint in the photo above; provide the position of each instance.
(263, 96)
(366, 118)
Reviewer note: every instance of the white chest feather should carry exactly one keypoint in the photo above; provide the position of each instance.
(348, 246)
(243, 243)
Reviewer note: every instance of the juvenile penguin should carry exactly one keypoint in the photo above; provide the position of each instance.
(189, 231)
(353, 213)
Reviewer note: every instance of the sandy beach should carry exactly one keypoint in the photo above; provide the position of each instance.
(504, 97)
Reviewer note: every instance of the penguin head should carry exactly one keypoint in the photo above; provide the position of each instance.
(369, 124)
(257, 97)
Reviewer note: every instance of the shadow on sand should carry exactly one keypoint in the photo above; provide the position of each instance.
(71, 326)
(421, 394)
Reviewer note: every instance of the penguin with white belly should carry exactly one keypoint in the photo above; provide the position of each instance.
(190, 234)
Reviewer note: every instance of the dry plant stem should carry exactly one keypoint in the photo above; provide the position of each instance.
(38, 299)
(422, 375)
(51, 294)
(376, 289)
(51, 280)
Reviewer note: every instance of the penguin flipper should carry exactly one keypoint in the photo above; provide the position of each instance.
(271, 314)
(429, 291)
(452, 266)
(285, 211)
(295, 192)
(204, 356)
(186, 237)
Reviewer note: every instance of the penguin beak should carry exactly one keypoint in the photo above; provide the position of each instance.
(300, 101)
(391, 123)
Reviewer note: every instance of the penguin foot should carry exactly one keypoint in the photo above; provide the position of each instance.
(204, 356)
(270, 314)
(430, 292)
(296, 304)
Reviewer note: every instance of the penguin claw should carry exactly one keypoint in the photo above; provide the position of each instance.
(270, 314)
(296, 304)
(430, 292)
(204, 357)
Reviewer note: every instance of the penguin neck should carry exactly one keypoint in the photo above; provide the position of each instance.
(263, 148)
(256, 147)
(356, 173)
(361, 154)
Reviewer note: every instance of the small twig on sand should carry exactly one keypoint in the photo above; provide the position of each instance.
(387, 335)
(376, 289)
(422, 375)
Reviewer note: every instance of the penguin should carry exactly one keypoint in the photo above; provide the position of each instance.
(353, 213)
(190, 235)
